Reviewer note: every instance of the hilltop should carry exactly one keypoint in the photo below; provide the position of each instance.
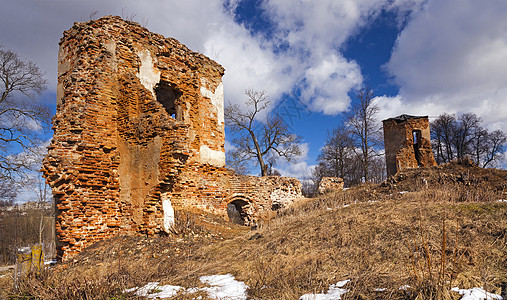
(431, 229)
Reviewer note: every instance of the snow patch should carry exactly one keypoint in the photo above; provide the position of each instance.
(155, 290)
(224, 287)
(475, 294)
(334, 293)
(221, 287)
(50, 262)
(166, 291)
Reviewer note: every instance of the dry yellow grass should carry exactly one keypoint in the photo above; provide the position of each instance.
(444, 232)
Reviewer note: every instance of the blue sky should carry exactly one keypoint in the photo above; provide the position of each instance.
(421, 57)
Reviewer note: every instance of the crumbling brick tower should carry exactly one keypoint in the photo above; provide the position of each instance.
(139, 133)
(407, 143)
(131, 106)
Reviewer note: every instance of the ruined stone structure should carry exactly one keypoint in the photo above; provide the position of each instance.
(330, 184)
(407, 143)
(138, 133)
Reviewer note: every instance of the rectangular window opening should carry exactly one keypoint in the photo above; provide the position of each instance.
(416, 140)
(168, 96)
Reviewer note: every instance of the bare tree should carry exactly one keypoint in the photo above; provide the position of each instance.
(37, 188)
(7, 194)
(364, 130)
(337, 151)
(338, 158)
(46, 212)
(23, 121)
(443, 131)
(378, 171)
(468, 124)
(263, 141)
(465, 137)
(22, 118)
(314, 178)
(479, 145)
(32, 222)
(495, 148)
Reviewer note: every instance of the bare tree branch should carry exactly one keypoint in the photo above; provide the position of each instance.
(254, 139)
(464, 137)
(22, 118)
(364, 129)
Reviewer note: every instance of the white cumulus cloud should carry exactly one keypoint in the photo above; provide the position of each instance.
(452, 57)
(249, 63)
(327, 84)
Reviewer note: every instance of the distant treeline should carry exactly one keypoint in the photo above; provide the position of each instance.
(464, 137)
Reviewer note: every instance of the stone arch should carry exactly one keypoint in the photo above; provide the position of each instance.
(240, 210)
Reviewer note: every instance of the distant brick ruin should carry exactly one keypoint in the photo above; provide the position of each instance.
(139, 133)
(407, 143)
(330, 184)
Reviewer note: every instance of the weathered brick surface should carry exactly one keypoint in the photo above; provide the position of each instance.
(139, 123)
(407, 143)
(329, 184)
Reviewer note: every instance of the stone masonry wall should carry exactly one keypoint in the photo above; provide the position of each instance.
(407, 143)
(139, 132)
(329, 184)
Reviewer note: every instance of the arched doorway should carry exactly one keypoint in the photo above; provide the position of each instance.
(238, 212)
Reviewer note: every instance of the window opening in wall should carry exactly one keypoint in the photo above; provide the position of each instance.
(416, 135)
(275, 206)
(167, 96)
(237, 211)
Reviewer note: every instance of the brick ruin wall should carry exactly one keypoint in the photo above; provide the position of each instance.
(330, 184)
(139, 132)
(407, 143)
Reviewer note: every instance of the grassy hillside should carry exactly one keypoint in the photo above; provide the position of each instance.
(431, 229)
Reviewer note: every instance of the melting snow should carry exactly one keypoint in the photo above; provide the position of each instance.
(222, 287)
(226, 287)
(334, 293)
(51, 262)
(476, 294)
(154, 290)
